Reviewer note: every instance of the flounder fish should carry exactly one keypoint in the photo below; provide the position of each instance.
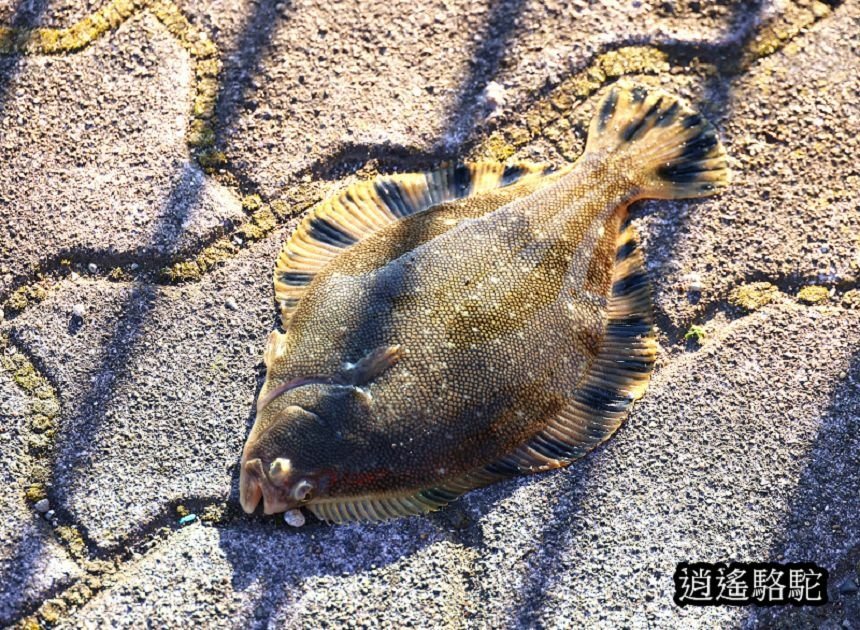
(447, 329)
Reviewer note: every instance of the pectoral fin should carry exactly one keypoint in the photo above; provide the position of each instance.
(373, 365)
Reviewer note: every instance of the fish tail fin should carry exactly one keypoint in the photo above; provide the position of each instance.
(674, 153)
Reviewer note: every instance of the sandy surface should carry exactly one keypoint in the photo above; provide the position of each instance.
(126, 392)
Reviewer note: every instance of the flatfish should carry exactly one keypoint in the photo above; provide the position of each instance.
(447, 329)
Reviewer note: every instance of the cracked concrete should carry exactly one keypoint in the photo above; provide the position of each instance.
(127, 401)
(736, 458)
(85, 176)
(285, 106)
(791, 125)
(745, 448)
(33, 566)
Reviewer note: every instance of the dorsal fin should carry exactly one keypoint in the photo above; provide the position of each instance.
(366, 207)
(618, 376)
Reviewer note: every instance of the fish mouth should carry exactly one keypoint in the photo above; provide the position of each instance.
(254, 486)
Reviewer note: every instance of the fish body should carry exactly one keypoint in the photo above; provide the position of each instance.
(448, 329)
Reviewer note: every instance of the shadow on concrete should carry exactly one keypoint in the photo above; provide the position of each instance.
(823, 526)
(485, 62)
(484, 65)
(27, 15)
(78, 433)
(237, 80)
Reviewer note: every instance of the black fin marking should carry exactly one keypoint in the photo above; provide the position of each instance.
(366, 207)
(607, 109)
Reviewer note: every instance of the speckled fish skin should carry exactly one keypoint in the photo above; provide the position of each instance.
(449, 339)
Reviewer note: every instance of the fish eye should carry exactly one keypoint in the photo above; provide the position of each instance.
(303, 490)
(279, 470)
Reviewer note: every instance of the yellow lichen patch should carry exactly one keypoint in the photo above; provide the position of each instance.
(41, 423)
(284, 210)
(782, 28)
(219, 251)
(118, 274)
(35, 492)
(252, 203)
(29, 623)
(851, 299)
(73, 540)
(813, 295)
(495, 147)
(181, 510)
(38, 443)
(78, 594)
(633, 60)
(212, 160)
(754, 295)
(213, 513)
(44, 409)
(261, 223)
(28, 379)
(52, 610)
(24, 296)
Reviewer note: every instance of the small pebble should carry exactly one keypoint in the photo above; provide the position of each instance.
(93, 268)
(294, 518)
(187, 519)
(49, 515)
(494, 95)
(42, 505)
(231, 304)
(78, 310)
(694, 282)
(848, 586)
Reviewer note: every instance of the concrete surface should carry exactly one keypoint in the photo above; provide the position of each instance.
(126, 396)
(33, 565)
(94, 157)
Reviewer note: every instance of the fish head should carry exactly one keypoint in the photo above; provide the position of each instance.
(297, 445)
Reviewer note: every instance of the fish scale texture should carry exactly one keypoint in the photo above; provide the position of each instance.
(744, 448)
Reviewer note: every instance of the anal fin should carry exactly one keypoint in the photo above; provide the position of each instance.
(381, 508)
